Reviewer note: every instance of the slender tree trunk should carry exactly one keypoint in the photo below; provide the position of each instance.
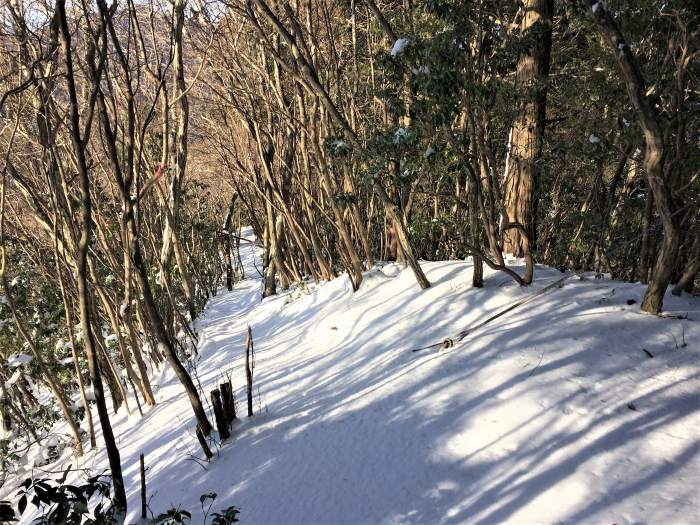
(74, 353)
(272, 253)
(45, 370)
(228, 258)
(119, 499)
(691, 269)
(159, 330)
(402, 235)
(164, 344)
(654, 156)
(180, 153)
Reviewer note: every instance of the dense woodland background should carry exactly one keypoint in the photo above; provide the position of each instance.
(137, 138)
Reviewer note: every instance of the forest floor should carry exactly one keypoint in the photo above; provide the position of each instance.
(573, 408)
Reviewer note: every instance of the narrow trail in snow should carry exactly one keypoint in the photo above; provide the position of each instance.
(528, 423)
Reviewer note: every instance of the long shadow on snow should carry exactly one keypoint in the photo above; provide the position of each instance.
(379, 482)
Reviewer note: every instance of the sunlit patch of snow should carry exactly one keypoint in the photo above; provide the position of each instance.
(19, 359)
(399, 46)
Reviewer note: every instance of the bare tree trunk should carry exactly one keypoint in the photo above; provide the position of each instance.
(402, 234)
(528, 128)
(74, 353)
(180, 153)
(271, 245)
(158, 327)
(654, 156)
(82, 270)
(140, 363)
(691, 270)
(164, 343)
(228, 258)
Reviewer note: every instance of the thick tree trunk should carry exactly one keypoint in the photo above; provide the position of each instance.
(478, 262)
(528, 128)
(643, 270)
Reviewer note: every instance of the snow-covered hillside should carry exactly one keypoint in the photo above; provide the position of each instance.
(574, 408)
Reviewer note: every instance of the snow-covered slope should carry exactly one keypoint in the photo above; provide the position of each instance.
(554, 413)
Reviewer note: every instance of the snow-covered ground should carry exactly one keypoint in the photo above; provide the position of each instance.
(554, 413)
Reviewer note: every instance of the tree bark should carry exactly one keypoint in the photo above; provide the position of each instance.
(691, 269)
(654, 156)
(159, 330)
(528, 128)
(402, 235)
(119, 499)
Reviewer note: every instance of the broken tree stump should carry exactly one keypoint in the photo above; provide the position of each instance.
(227, 401)
(221, 423)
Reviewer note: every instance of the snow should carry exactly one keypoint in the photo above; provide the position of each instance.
(554, 413)
(400, 135)
(339, 145)
(89, 394)
(399, 46)
(162, 348)
(16, 360)
(5, 434)
(53, 441)
(422, 70)
(13, 379)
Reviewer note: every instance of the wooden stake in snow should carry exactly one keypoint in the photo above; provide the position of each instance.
(143, 488)
(221, 423)
(450, 341)
(249, 370)
(203, 442)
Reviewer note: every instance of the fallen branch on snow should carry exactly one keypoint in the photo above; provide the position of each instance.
(450, 341)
